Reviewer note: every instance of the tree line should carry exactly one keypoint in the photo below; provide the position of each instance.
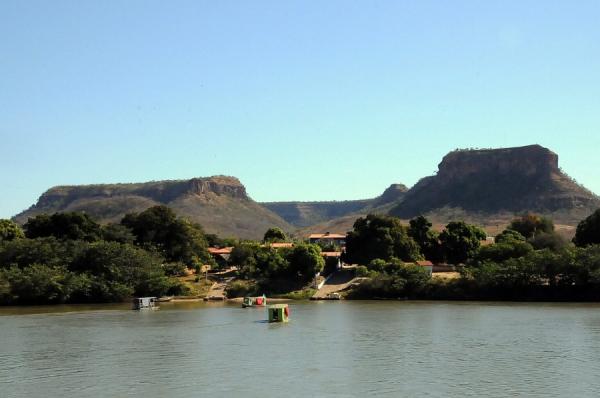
(529, 260)
(70, 258)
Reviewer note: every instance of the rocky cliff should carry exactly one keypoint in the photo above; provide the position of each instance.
(491, 181)
(220, 204)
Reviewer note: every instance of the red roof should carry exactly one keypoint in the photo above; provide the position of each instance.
(217, 250)
(327, 235)
(424, 263)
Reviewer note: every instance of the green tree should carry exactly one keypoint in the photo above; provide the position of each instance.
(70, 225)
(121, 270)
(504, 250)
(274, 235)
(305, 261)
(428, 240)
(383, 237)
(531, 224)
(177, 239)
(548, 240)
(117, 233)
(9, 230)
(588, 230)
(509, 236)
(460, 241)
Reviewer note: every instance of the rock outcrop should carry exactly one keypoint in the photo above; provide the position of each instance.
(220, 204)
(489, 181)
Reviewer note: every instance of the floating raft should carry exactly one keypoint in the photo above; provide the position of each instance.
(279, 313)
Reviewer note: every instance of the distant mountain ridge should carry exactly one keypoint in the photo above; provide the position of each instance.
(219, 203)
(485, 186)
(303, 214)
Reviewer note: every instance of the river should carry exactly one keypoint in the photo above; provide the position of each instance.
(329, 349)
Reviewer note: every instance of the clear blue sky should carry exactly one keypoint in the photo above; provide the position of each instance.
(301, 100)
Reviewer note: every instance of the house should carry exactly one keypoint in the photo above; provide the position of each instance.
(427, 265)
(328, 238)
(220, 254)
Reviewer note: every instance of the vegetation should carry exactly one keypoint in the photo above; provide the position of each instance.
(588, 231)
(277, 270)
(10, 230)
(70, 258)
(177, 239)
(392, 279)
(274, 235)
(382, 237)
(461, 241)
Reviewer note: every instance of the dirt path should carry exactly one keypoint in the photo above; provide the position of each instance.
(339, 281)
(217, 290)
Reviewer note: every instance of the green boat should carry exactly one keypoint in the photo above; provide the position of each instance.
(279, 313)
(254, 301)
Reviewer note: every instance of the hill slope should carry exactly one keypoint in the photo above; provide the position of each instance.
(220, 204)
(303, 214)
(499, 181)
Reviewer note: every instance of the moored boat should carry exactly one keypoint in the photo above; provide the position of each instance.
(145, 303)
(254, 301)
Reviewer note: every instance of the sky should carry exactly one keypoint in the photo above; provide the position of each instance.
(300, 100)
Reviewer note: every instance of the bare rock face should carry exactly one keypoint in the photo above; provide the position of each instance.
(498, 180)
(220, 185)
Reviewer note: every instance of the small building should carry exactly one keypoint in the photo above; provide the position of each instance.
(427, 265)
(221, 255)
(145, 303)
(279, 313)
(328, 238)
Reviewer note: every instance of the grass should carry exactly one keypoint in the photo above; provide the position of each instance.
(199, 288)
(303, 294)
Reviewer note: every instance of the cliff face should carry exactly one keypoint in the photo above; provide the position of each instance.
(303, 214)
(498, 180)
(220, 203)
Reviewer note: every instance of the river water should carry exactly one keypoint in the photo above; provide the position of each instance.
(329, 349)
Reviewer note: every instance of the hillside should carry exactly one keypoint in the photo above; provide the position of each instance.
(498, 183)
(220, 204)
(304, 214)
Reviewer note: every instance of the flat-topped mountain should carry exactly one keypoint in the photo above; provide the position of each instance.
(492, 181)
(220, 204)
(303, 214)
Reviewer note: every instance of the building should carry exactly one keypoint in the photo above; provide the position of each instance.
(220, 254)
(328, 238)
(427, 265)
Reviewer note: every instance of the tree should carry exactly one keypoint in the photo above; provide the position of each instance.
(428, 240)
(117, 233)
(500, 252)
(305, 261)
(383, 237)
(9, 230)
(70, 225)
(177, 239)
(460, 241)
(588, 230)
(274, 235)
(531, 224)
(509, 236)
